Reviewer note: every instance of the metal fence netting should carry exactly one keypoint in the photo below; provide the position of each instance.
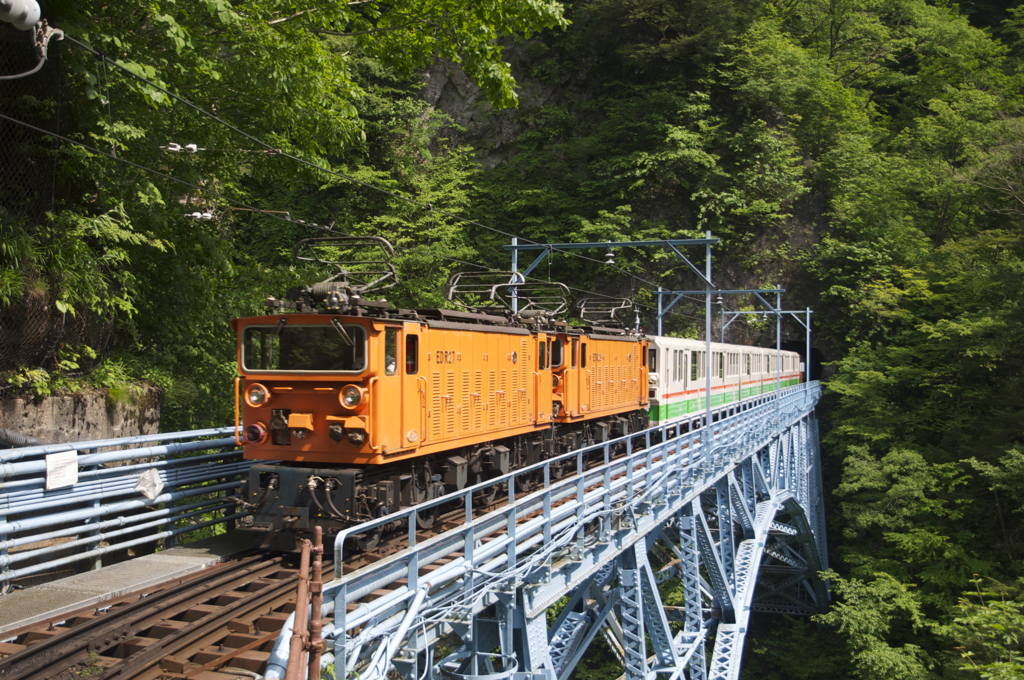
(32, 328)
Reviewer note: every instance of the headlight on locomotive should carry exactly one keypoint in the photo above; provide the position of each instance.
(351, 397)
(257, 395)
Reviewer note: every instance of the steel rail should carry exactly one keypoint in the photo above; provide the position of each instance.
(48, 658)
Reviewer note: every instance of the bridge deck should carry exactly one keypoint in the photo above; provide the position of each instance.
(714, 508)
(61, 596)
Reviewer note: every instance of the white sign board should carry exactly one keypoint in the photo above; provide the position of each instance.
(61, 469)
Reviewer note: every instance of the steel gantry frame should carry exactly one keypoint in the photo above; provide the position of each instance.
(672, 244)
(737, 521)
(547, 249)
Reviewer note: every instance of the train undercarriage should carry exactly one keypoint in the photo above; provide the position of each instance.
(288, 501)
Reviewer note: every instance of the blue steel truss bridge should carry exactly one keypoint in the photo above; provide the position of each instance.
(730, 515)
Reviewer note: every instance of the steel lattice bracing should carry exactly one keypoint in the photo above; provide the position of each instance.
(737, 520)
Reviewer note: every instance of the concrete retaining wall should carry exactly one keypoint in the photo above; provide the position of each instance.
(82, 416)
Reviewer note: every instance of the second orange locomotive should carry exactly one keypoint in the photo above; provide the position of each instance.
(371, 409)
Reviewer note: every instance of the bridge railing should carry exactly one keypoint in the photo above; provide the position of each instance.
(581, 519)
(112, 495)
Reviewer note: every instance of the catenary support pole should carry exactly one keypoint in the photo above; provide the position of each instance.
(659, 311)
(778, 342)
(807, 355)
(707, 337)
(515, 269)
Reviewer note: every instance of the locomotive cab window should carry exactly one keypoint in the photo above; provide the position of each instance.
(653, 360)
(313, 348)
(412, 354)
(390, 351)
(575, 346)
(583, 355)
(556, 353)
(542, 355)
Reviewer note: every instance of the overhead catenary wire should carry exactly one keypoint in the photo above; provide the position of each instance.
(268, 213)
(40, 37)
(298, 159)
(202, 190)
(573, 288)
(172, 178)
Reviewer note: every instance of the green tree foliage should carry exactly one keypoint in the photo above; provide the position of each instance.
(866, 154)
(881, 622)
(989, 628)
(332, 83)
(869, 152)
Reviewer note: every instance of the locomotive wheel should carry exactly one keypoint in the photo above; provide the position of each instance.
(368, 541)
(426, 518)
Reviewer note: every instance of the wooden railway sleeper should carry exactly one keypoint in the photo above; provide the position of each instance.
(75, 644)
(140, 662)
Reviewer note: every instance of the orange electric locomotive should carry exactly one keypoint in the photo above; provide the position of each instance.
(361, 409)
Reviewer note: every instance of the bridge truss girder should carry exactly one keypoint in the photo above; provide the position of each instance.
(737, 522)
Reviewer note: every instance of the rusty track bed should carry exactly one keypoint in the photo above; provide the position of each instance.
(226, 616)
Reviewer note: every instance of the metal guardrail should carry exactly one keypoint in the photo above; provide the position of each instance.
(590, 535)
(105, 509)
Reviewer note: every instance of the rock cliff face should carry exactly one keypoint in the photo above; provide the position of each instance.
(81, 417)
(491, 133)
(494, 135)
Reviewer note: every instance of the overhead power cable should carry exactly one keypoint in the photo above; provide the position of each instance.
(92, 149)
(298, 159)
(268, 213)
(103, 57)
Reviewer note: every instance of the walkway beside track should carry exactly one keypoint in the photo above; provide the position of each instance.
(39, 603)
(737, 518)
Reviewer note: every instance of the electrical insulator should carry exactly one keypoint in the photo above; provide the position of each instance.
(22, 13)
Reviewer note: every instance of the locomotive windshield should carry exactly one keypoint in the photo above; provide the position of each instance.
(318, 348)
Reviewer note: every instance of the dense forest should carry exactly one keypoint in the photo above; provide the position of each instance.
(865, 155)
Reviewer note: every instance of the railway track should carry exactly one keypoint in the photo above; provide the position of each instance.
(218, 624)
(225, 617)
(397, 541)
